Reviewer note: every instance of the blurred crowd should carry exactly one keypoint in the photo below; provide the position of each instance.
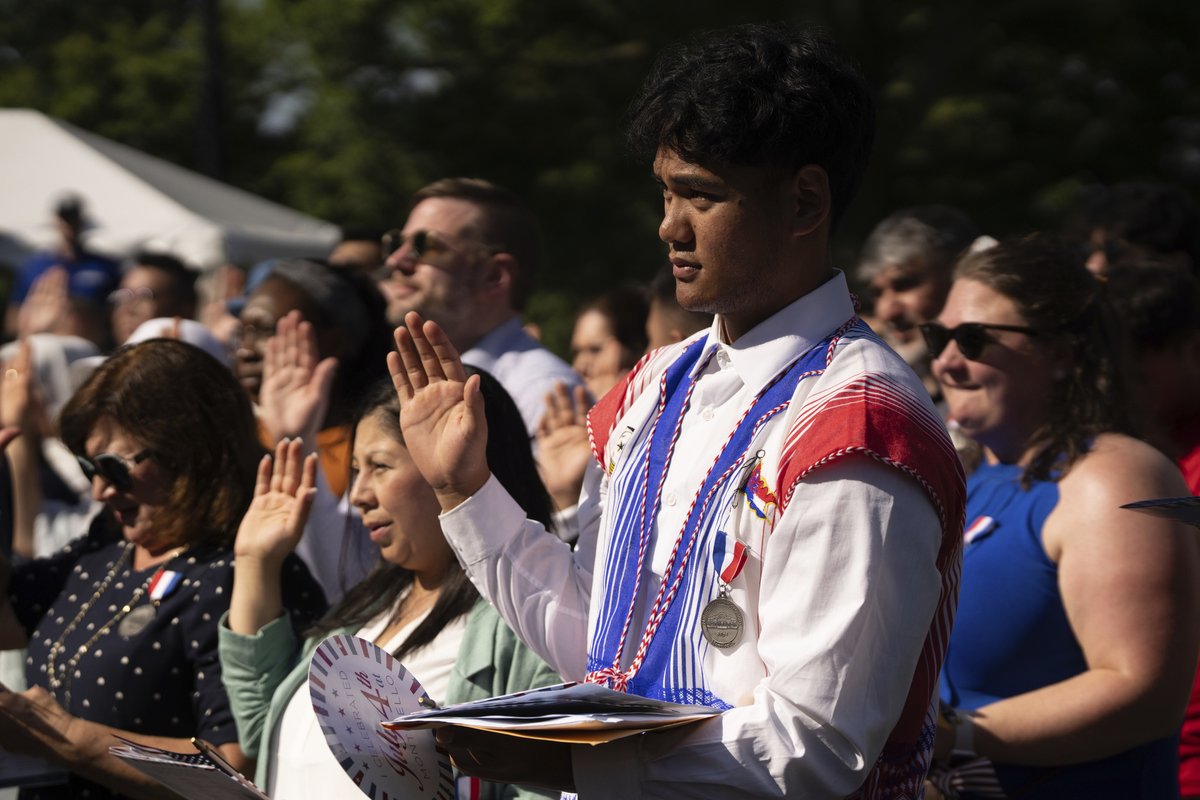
(163, 424)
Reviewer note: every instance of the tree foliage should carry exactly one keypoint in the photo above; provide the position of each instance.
(341, 108)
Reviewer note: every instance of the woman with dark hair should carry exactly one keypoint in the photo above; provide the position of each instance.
(608, 339)
(417, 602)
(312, 341)
(346, 314)
(121, 625)
(1075, 642)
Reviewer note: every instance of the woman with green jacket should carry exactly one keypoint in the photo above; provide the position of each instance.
(417, 603)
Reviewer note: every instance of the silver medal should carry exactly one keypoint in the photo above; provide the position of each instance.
(136, 621)
(721, 622)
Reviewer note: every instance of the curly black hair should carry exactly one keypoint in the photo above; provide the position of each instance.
(759, 95)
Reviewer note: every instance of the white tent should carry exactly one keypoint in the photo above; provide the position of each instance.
(134, 200)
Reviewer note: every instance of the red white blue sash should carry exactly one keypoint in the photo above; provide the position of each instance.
(668, 662)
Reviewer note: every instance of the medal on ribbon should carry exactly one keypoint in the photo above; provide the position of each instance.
(722, 622)
(162, 584)
(136, 621)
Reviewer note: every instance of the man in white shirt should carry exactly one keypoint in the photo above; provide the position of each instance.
(466, 259)
(774, 525)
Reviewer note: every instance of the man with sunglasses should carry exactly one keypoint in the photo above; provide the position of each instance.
(466, 258)
(773, 524)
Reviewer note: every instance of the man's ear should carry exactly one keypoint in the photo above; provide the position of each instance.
(811, 200)
(499, 275)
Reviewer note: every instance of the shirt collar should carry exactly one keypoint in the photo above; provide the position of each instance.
(767, 348)
(498, 341)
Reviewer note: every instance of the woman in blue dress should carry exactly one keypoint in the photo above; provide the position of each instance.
(1075, 643)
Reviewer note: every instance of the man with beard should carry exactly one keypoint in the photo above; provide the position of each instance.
(466, 259)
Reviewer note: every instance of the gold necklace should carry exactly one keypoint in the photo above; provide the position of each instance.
(61, 677)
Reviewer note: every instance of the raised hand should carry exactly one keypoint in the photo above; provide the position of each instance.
(296, 387)
(18, 404)
(47, 307)
(23, 410)
(441, 411)
(283, 493)
(563, 448)
(226, 283)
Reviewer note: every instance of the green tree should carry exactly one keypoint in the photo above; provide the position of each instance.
(342, 108)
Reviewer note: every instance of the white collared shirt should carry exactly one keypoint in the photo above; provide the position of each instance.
(838, 597)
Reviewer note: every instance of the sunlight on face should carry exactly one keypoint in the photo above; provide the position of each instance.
(1000, 398)
(399, 509)
(137, 508)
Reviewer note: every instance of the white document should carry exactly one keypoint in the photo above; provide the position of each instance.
(577, 713)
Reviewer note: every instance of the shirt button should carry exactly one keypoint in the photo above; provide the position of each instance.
(707, 414)
(670, 498)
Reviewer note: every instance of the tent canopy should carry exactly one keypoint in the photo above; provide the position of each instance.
(133, 200)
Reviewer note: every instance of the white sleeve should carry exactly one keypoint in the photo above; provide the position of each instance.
(538, 584)
(849, 589)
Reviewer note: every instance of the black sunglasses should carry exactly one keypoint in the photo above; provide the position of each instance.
(971, 337)
(423, 242)
(395, 239)
(112, 468)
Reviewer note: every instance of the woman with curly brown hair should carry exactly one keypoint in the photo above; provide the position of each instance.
(1077, 631)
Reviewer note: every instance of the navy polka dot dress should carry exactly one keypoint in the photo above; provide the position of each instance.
(156, 670)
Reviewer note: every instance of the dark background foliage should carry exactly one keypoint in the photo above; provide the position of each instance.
(341, 108)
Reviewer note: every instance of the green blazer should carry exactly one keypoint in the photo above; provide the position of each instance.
(263, 671)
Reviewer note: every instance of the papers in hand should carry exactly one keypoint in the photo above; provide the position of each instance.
(575, 713)
(197, 776)
(1184, 509)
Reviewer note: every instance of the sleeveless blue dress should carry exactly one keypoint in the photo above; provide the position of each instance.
(1012, 636)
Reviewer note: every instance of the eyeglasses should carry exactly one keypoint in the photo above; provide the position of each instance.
(249, 334)
(423, 243)
(136, 295)
(971, 337)
(112, 468)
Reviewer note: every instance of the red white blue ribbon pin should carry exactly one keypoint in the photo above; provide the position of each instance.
(163, 583)
(980, 527)
(729, 556)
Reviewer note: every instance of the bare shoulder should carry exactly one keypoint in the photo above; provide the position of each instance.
(1121, 469)
(1117, 470)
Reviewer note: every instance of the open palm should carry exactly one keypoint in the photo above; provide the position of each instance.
(283, 493)
(296, 385)
(563, 445)
(441, 410)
